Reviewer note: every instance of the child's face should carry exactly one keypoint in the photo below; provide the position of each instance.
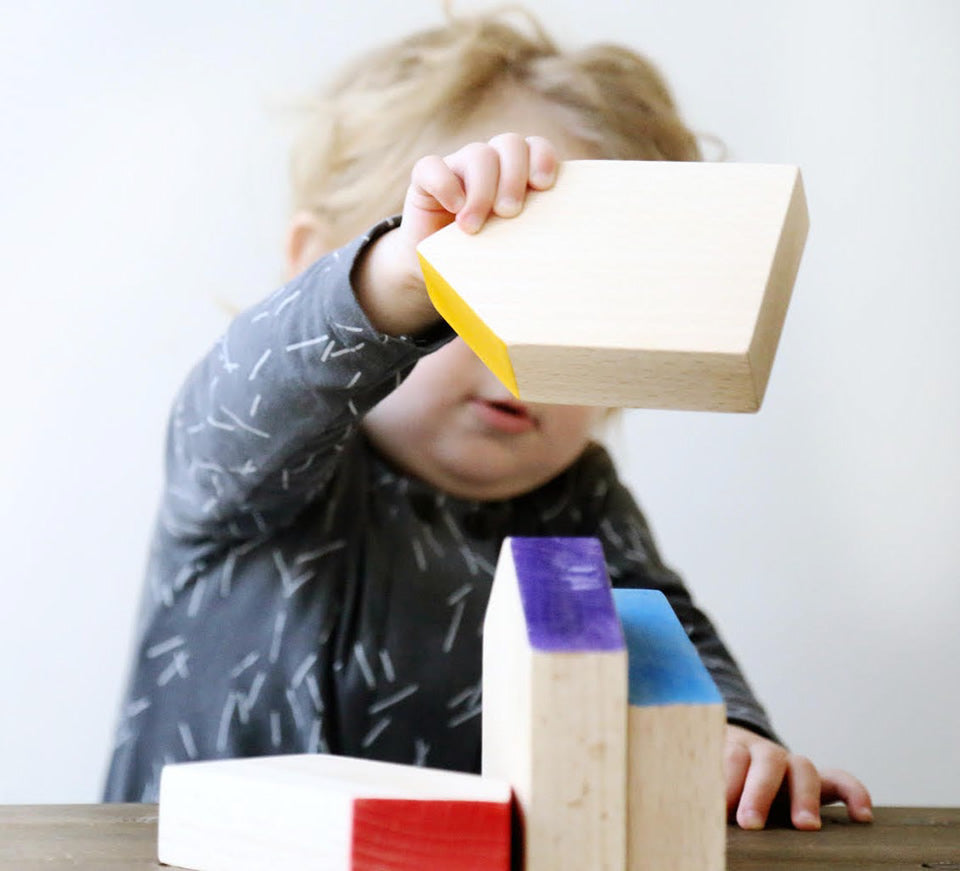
(455, 425)
(452, 422)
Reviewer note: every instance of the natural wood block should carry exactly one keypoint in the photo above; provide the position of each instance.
(676, 801)
(298, 812)
(647, 284)
(554, 701)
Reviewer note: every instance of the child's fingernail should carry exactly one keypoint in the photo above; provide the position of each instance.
(508, 207)
(808, 820)
(470, 223)
(752, 820)
(865, 815)
(542, 179)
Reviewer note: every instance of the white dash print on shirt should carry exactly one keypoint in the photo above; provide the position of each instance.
(286, 302)
(457, 595)
(259, 364)
(314, 744)
(189, 745)
(375, 733)
(419, 555)
(387, 664)
(275, 734)
(351, 350)
(226, 715)
(245, 663)
(396, 698)
(364, 664)
(244, 426)
(454, 626)
(306, 343)
(302, 670)
(278, 625)
(163, 647)
(314, 689)
(177, 666)
(421, 749)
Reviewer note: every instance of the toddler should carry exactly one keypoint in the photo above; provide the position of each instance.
(341, 469)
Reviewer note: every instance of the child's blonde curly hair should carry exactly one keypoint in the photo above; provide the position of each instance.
(351, 164)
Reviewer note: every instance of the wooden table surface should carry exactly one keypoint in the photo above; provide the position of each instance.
(113, 837)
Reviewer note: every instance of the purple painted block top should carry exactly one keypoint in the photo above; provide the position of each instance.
(566, 595)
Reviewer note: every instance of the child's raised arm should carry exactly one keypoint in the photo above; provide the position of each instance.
(260, 423)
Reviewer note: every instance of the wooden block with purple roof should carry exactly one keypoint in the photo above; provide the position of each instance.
(676, 805)
(554, 701)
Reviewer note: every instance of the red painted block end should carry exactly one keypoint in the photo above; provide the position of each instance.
(414, 835)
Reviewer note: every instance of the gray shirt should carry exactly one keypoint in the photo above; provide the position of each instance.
(302, 595)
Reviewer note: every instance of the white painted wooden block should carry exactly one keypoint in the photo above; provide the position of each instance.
(299, 812)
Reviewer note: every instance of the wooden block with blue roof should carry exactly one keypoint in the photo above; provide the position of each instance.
(676, 805)
(554, 702)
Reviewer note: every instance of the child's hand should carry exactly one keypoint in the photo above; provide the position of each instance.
(756, 769)
(478, 180)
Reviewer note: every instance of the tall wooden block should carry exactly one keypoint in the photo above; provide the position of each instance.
(647, 284)
(676, 803)
(554, 701)
(300, 812)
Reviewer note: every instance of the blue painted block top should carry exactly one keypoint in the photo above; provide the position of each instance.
(664, 667)
(566, 594)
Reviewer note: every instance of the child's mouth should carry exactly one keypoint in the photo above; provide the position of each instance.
(504, 415)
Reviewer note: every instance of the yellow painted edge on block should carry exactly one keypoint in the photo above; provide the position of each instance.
(484, 342)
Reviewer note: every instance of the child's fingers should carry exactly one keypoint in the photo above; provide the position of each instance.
(736, 763)
(768, 765)
(804, 783)
(434, 183)
(478, 165)
(543, 162)
(841, 786)
(514, 156)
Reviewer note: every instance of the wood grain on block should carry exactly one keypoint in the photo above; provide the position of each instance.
(648, 284)
(554, 701)
(676, 804)
(287, 813)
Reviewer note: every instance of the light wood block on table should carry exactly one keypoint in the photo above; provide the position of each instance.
(648, 284)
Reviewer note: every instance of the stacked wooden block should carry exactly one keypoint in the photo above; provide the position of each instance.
(601, 716)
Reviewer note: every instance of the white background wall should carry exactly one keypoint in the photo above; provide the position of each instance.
(142, 181)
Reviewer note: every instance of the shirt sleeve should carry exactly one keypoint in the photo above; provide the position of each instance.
(634, 561)
(257, 428)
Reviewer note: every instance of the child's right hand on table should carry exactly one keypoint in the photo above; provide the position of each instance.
(467, 186)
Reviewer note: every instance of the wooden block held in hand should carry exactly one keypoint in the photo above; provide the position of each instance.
(676, 794)
(647, 284)
(299, 812)
(554, 701)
